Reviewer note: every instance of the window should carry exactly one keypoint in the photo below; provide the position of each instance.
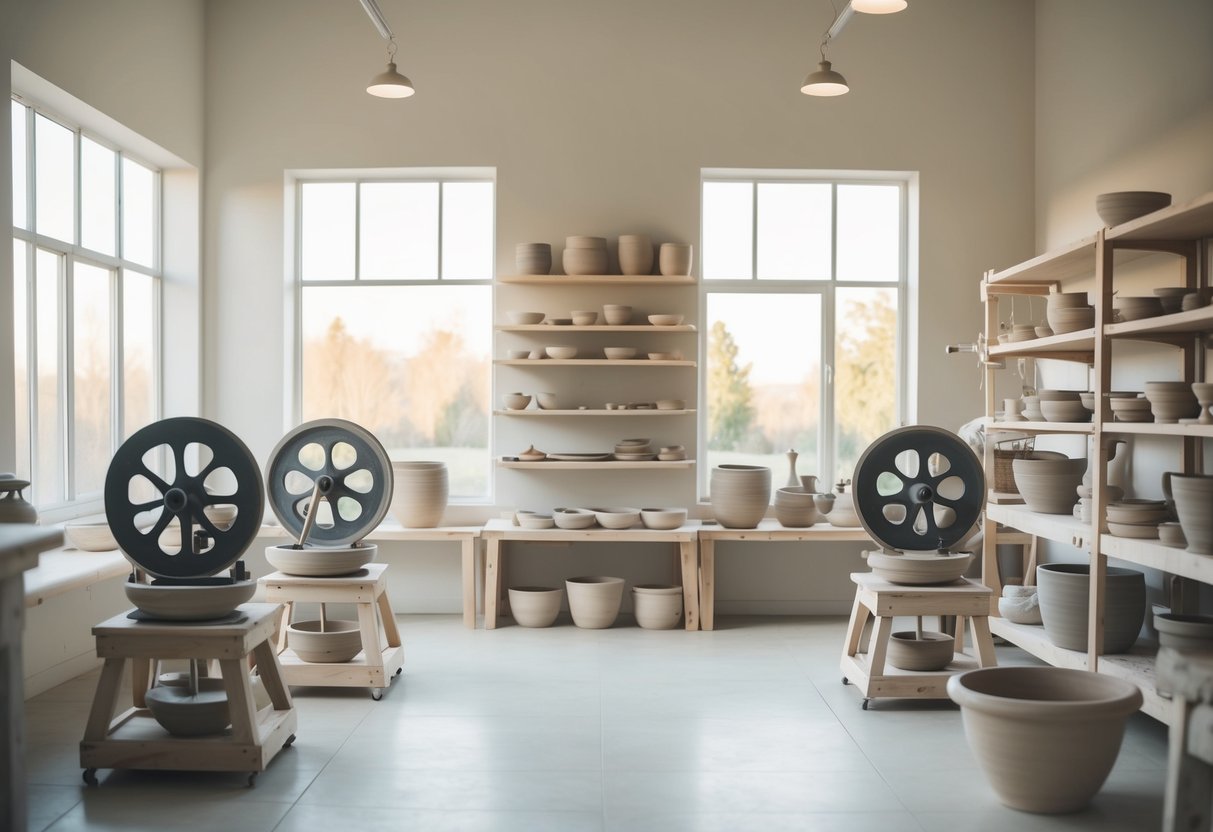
(86, 292)
(395, 314)
(804, 283)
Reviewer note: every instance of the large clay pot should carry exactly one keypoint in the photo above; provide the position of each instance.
(1046, 737)
(657, 607)
(795, 508)
(1193, 495)
(635, 254)
(13, 506)
(419, 493)
(674, 259)
(740, 495)
(594, 601)
(1049, 485)
(1064, 592)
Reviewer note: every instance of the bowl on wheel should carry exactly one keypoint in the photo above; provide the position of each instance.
(919, 569)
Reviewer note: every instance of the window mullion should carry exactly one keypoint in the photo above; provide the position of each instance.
(67, 369)
(441, 192)
(753, 230)
(357, 233)
(117, 360)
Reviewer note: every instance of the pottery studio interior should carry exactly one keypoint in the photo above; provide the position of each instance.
(634, 415)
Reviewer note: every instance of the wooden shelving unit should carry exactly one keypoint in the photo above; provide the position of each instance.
(604, 465)
(1177, 231)
(560, 414)
(598, 280)
(570, 328)
(589, 362)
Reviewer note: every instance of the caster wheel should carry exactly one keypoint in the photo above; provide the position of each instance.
(399, 670)
(845, 680)
(376, 694)
(865, 703)
(252, 779)
(289, 741)
(90, 777)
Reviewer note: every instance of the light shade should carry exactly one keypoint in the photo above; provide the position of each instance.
(390, 84)
(878, 6)
(825, 81)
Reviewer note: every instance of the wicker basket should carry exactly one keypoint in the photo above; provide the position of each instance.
(1004, 477)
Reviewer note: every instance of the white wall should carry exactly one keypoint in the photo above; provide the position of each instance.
(598, 118)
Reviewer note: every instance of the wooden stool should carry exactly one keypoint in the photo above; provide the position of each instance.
(135, 740)
(375, 666)
(874, 596)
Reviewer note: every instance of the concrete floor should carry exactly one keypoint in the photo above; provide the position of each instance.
(747, 727)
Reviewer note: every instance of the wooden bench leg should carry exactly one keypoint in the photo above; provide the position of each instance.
(390, 628)
(468, 573)
(983, 641)
(141, 681)
(240, 701)
(859, 619)
(689, 555)
(707, 583)
(369, 624)
(284, 619)
(492, 581)
(105, 700)
(879, 645)
(270, 672)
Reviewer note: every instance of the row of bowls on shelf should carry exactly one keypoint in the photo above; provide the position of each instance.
(549, 401)
(1072, 311)
(658, 519)
(586, 255)
(564, 352)
(594, 603)
(614, 314)
(1165, 402)
(626, 450)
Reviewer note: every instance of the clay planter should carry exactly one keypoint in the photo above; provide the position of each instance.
(419, 493)
(1064, 590)
(1020, 605)
(674, 259)
(594, 601)
(90, 537)
(203, 599)
(1049, 486)
(740, 495)
(535, 606)
(318, 562)
(584, 261)
(635, 254)
(795, 508)
(930, 653)
(1184, 632)
(1193, 495)
(919, 569)
(533, 258)
(183, 714)
(340, 641)
(657, 607)
(1046, 737)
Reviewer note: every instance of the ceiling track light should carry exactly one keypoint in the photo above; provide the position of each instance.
(390, 83)
(825, 81)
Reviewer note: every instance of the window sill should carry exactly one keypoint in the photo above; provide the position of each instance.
(62, 570)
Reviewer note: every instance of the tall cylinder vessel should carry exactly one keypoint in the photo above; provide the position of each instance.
(740, 495)
(419, 493)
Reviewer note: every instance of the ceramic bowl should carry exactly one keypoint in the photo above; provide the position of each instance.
(1064, 320)
(924, 655)
(183, 714)
(919, 569)
(634, 442)
(657, 606)
(1058, 395)
(663, 356)
(671, 404)
(1121, 206)
(795, 507)
(90, 537)
(525, 318)
(665, 320)
(1171, 298)
(1088, 400)
(1172, 534)
(584, 318)
(517, 354)
(1066, 411)
(1059, 300)
(533, 258)
(617, 518)
(1184, 632)
(204, 599)
(531, 520)
(619, 353)
(515, 401)
(535, 606)
(1141, 532)
(561, 352)
(1134, 309)
(1043, 332)
(663, 518)
(1049, 485)
(547, 401)
(573, 518)
(1193, 300)
(340, 641)
(559, 322)
(320, 561)
(616, 315)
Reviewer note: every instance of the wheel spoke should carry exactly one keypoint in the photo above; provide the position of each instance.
(153, 478)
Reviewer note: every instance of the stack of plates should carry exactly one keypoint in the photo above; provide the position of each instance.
(672, 453)
(634, 450)
(1136, 518)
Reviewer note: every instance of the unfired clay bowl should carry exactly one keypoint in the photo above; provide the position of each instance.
(524, 318)
(515, 401)
(1046, 737)
(930, 653)
(663, 518)
(573, 518)
(1184, 632)
(531, 520)
(617, 314)
(205, 599)
(535, 606)
(90, 537)
(561, 352)
(665, 320)
(617, 518)
(183, 714)
(318, 561)
(340, 641)
(919, 569)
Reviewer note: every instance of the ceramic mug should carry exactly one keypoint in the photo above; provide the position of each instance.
(1193, 495)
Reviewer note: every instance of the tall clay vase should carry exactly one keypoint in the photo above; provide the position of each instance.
(594, 601)
(419, 493)
(1193, 495)
(1064, 590)
(1046, 737)
(740, 495)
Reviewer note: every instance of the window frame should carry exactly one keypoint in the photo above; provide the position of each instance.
(824, 288)
(70, 254)
(295, 180)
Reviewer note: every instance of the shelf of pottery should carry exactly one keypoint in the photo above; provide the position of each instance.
(586, 360)
(1095, 297)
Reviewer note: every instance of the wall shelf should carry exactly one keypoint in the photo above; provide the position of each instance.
(546, 414)
(588, 362)
(609, 465)
(566, 328)
(1062, 528)
(1190, 323)
(1190, 221)
(1069, 346)
(598, 279)
(1155, 555)
(1042, 427)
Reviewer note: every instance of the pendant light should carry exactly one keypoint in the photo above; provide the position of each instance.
(390, 83)
(878, 6)
(825, 81)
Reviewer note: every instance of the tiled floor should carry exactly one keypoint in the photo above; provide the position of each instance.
(744, 728)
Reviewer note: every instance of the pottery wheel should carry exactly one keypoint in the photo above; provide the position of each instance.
(170, 472)
(918, 488)
(350, 468)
